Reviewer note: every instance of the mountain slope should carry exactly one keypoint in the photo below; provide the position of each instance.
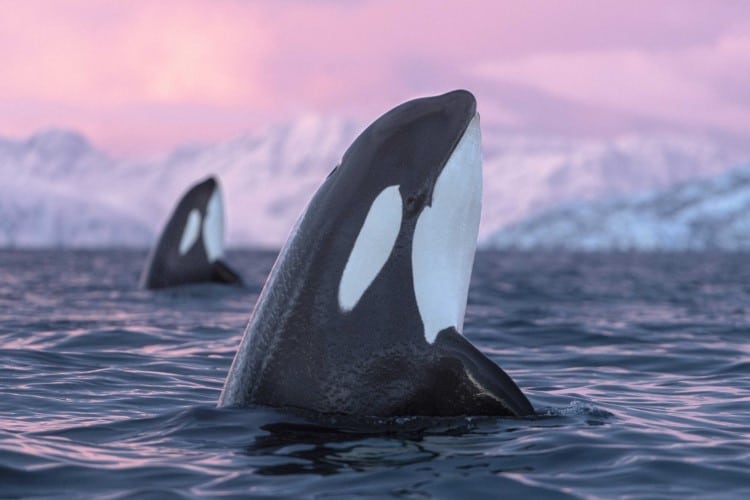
(698, 215)
(42, 217)
(59, 190)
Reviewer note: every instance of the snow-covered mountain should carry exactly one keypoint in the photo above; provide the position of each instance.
(56, 180)
(59, 190)
(43, 217)
(701, 214)
(527, 175)
(42, 205)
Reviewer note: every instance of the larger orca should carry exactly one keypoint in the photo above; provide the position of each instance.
(363, 311)
(191, 245)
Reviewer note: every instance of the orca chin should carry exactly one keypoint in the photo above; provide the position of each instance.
(363, 311)
(190, 247)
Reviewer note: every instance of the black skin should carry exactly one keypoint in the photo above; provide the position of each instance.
(301, 351)
(166, 267)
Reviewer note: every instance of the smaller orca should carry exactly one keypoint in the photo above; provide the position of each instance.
(363, 311)
(192, 243)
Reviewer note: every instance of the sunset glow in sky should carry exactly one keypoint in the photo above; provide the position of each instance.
(143, 76)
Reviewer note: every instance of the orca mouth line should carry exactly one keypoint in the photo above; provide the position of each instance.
(445, 237)
(449, 155)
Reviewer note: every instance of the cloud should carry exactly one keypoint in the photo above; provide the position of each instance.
(164, 52)
(141, 75)
(91, 65)
(703, 86)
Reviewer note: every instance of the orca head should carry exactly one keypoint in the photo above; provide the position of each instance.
(191, 245)
(363, 311)
(199, 221)
(411, 187)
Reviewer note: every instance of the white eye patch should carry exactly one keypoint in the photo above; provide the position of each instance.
(191, 231)
(445, 238)
(213, 227)
(372, 247)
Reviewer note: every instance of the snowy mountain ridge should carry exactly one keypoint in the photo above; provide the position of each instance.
(58, 190)
(702, 214)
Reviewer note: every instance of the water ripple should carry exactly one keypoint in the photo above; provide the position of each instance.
(637, 365)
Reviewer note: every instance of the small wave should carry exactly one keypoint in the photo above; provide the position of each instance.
(638, 377)
(576, 409)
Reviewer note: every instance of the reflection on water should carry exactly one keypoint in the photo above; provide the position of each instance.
(637, 365)
(324, 451)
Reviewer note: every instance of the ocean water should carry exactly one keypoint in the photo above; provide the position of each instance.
(637, 365)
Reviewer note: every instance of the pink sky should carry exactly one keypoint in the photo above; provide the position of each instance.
(143, 76)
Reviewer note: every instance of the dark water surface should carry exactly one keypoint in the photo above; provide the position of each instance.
(638, 365)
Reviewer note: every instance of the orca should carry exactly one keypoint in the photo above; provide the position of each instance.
(362, 313)
(191, 245)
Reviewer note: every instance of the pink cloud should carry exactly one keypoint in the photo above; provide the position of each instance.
(142, 76)
(684, 86)
(126, 76)
(163, 52)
